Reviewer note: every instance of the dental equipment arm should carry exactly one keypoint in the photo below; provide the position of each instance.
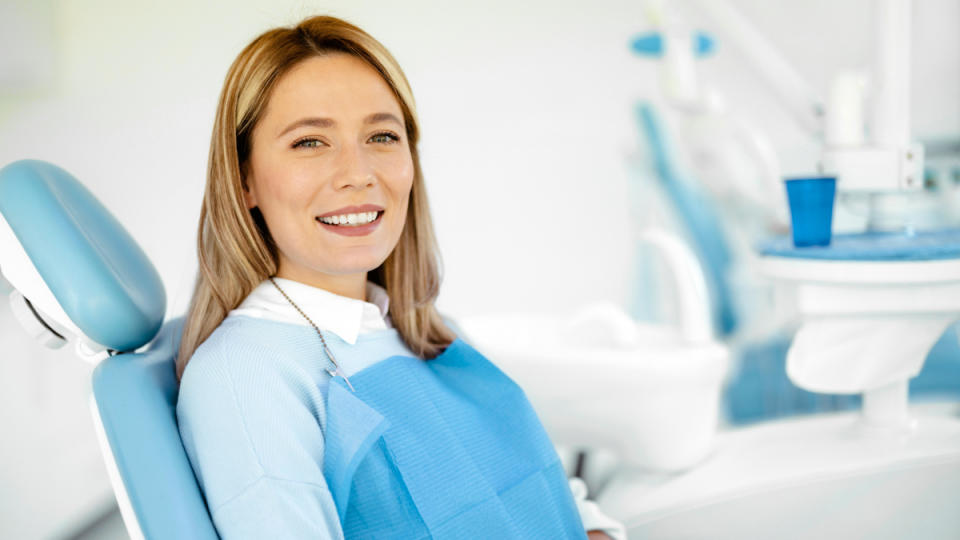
(799, 98)
(886, 163)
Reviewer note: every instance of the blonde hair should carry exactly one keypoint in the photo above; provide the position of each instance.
(234, 247)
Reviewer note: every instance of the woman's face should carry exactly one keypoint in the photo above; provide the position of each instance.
(330, 169)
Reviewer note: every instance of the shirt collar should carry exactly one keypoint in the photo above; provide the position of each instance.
(345, 317)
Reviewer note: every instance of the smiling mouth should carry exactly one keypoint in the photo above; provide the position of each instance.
(358, 219)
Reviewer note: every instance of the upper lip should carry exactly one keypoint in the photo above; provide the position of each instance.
(353, 210)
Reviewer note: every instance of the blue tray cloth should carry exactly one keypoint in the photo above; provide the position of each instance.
(919, 246)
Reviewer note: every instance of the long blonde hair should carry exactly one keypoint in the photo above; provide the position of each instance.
(234, 247)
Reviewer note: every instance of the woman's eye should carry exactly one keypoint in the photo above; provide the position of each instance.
(386, 138)
(308, 143)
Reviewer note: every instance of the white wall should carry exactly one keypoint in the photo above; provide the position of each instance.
(526, 119)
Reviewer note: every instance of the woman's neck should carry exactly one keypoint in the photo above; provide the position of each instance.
(348, 285)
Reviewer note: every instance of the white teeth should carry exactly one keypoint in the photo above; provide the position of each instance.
(352, 219)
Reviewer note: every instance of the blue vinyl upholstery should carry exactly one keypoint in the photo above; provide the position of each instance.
(102, 279)
(137, 397)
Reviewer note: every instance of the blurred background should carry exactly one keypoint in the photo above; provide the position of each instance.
(529, 149)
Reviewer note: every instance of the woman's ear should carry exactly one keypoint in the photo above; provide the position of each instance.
(249, 197)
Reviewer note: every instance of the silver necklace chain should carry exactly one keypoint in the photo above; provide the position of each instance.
(333, 372)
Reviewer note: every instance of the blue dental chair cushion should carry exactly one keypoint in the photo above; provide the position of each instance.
(102, 279)
(136, 396)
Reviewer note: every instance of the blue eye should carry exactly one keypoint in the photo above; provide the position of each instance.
(385, 138)
(308, 143)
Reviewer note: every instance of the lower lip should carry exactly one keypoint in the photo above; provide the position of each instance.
(353, 230)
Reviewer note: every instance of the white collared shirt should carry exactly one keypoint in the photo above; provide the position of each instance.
(345, 317)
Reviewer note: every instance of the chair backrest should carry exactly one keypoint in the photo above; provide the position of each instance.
(135, 397)
(86, 281)
(698, 215)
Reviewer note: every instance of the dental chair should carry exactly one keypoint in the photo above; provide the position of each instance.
(79, 279)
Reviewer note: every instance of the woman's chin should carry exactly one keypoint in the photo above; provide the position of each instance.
(356, 266)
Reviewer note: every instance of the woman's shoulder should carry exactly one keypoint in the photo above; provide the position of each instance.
(253, 367)
(245, 352)
(229, 342)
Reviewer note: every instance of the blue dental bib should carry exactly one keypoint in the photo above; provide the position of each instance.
(445, 448)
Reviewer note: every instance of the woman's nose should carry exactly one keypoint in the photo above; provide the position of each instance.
(355, 169)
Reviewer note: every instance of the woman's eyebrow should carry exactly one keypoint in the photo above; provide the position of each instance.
(315, 122)
(377, 118)
(374, 118)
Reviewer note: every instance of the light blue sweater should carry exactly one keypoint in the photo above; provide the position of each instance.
(252, 417)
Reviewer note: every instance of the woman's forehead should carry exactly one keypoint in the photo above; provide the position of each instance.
(337, 86)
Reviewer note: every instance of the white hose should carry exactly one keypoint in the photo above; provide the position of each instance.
(693, 298)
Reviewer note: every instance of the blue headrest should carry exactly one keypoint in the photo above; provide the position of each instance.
(94, 269)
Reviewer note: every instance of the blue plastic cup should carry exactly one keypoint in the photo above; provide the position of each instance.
(811, 209)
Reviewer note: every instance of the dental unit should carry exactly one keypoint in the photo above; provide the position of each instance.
(871, 305)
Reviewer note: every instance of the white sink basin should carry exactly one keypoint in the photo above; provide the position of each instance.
(652, 399)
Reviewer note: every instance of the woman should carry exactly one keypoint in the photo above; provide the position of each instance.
(324, 397)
